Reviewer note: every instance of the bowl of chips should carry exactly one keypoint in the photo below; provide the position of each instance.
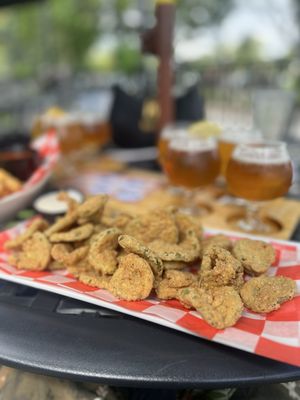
(24, 171)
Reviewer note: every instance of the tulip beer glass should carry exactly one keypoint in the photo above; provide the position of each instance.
(258, 172)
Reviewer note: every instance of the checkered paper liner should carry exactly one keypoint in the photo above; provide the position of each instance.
(275, 335)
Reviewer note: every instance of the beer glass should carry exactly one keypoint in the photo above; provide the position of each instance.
(171, 131)
(191, 163)
(258, 172)
(230, 138)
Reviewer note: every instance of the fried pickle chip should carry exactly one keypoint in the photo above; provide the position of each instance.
(167, 288)
(180, 278)
(117, 219)
(81, 266)
(102, 255)
(186, 222)
(187, 251)
(256, 256)
(220, 268)
(91, 209)
(158, 224)
(62, 223)
(94, 278)
(74, 235)
(266, 293)
(37, 225)
(132, 245)
(220, 307)
(106, 262)
(35, 254)
(133, 280)
(217, 240)
(64, 253)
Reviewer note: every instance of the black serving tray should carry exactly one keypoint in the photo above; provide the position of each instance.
(49, 334)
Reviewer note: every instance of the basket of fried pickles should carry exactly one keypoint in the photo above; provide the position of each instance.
(162, 252)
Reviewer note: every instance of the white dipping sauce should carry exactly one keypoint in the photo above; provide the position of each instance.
(49, 204)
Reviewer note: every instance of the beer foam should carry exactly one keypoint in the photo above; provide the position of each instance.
(268, 159)
(192, 145)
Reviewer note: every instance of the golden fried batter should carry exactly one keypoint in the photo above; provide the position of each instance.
(132, 245)
(180, 278)
(157, 224)
(167, 288)
(164, 291)
(106, 262)
(81, 266)
(74, 235)
(133, 280)
(115, 219)
(62, 223)
(220, 268)
(65, 254)
(93, 278)
(217, 240)
(256, 256)
(267, 293)
(220, 307)
(91, 210)
(37, 225)
(187, 250)
(55, 265)
(35, 254)
(184, 223)
(105, 240)
(176, 265)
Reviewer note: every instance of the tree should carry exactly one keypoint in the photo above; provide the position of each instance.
(49, 34)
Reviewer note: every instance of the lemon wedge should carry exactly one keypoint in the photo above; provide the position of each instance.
(204, 129)
(54, 112)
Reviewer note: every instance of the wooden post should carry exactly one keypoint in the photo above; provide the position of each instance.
(159, 41)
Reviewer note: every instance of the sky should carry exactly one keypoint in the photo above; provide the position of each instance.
(269, 21)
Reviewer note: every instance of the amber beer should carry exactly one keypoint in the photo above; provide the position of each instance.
(170, 132)
(253, 176)
(225, 149)
(192, 163)
(230, 139)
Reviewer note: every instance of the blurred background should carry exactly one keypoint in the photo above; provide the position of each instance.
(243, 58)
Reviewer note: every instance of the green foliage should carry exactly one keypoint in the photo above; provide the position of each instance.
(248, 52)
(44, 38)
(127, 59)
(50, 33)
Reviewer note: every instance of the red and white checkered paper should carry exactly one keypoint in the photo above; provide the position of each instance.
(275, 335)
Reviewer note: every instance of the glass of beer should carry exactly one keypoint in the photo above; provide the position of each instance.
(191, 163)
(230, 138)
(171, 131)
(258, 172)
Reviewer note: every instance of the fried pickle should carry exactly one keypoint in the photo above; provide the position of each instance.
(221, 307)
(132, 245)
(256, 256)
(158, 224)
(220, 268)
(37, 225)
(266, 293)
(35, 253)
(133, 280)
